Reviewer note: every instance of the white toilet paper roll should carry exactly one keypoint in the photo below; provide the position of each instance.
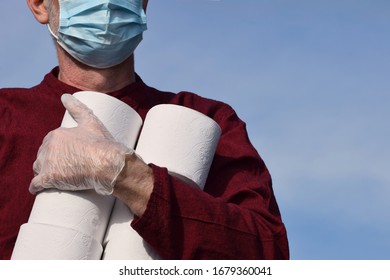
(180, 139)
(36, 242)
(122, 121)
(123, 242)
(85, 211)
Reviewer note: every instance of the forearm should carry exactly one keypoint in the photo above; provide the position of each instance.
(181, 222)
(134, 184)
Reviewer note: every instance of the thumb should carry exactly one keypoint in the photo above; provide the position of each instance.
(78, 110)
(83, 115)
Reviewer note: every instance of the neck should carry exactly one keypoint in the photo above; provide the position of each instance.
(84, 77)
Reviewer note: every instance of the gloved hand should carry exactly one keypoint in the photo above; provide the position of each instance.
(79, 158)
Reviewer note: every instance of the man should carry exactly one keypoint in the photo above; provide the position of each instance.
(236, 217)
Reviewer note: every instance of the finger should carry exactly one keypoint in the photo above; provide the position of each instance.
(36, 167)
(78, 110)
(41, 182)
(42, 152)
(35, 185)
(83, 115)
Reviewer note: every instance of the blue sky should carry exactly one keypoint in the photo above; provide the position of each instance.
(310, 79)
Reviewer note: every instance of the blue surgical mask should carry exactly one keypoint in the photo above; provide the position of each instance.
(100, 33)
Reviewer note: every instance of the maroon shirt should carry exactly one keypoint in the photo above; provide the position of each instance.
(236, 217)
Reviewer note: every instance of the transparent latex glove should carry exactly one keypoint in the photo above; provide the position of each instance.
(79, 158)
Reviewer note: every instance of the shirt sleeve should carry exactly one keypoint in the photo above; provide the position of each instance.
(235, 217)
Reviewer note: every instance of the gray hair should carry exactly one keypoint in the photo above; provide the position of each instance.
(53, 15)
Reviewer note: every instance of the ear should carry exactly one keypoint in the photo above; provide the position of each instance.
(38, 8)
(144, 4)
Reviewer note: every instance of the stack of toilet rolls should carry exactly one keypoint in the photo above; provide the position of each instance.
(86, 225)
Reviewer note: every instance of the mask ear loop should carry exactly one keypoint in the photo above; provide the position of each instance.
(51, 32)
